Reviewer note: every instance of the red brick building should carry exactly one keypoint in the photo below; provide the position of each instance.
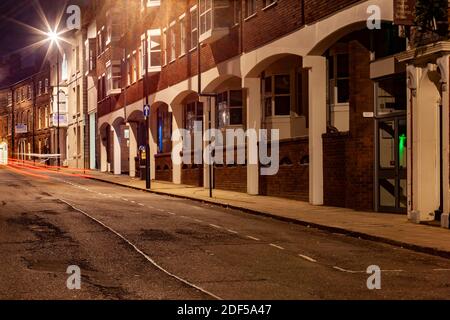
(24, 116)
(315, 70)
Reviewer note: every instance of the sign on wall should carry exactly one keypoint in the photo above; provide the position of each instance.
(62, 120)
(404, 12)
(21, 128)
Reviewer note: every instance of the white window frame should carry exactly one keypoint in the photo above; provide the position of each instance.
(173, 43)
(183, 35)
(249, 14)
(153, 3)
(134, 71)
(164, 46)
(128, 67)
(204, 11)
(154, 33)
(194, 17)
(141, 58)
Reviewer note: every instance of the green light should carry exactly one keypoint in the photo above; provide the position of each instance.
(401, 145)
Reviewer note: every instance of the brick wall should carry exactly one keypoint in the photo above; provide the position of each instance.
(163, 169)
(192, 175)
(231, 177)
(318, 9)
(272, 23)
(334, 169)
(292, 179)
(354, 151)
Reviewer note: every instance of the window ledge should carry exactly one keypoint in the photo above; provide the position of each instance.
(192, 50)
(249, 17)
(270, 5)
(182, 55)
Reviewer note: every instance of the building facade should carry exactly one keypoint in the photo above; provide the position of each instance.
(356, 89)
(25, 117)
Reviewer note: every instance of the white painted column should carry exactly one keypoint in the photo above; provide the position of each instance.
(177, 123)
(444, 67)
(117, 151)
(425, 149)
(133, 147)
(103, 152)
(254, 115)
(317, 124)
(152, 127)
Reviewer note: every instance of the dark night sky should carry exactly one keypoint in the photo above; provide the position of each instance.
(14, 37)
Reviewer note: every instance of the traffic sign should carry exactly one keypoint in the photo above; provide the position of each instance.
(146, 110)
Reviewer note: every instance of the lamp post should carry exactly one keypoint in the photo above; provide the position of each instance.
(53, 37)
(57, 110)
(147, 134)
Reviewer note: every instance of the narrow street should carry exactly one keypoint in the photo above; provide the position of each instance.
(135, 245)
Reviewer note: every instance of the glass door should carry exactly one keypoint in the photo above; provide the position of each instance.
(391, 182)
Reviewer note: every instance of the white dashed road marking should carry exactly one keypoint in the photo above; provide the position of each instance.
(253, 238)
(275, 246)
(307, 258)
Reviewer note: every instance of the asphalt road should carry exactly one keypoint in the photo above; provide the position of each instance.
(131, 244)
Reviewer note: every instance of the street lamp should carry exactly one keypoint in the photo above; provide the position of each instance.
(54, 37)
(147, 133)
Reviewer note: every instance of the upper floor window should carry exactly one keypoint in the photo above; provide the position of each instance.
(46, 85)
(77, 58)
(250, 8)
(113, 76)
(194, 28)
(128, 67)
(89, 46)
(277, 95)
(62, 102)
(205, 15)
(9, 97)
(64, 69)
(173, 39)
(141, 58)
(165, 46)
(39, 88)
(78, 97)
(154, 50)
(113, 25)
(183, 37)
(134, 67)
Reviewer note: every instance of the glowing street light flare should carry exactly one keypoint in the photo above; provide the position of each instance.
(53, 36)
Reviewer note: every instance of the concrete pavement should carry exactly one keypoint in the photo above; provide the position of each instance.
(394, 229)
